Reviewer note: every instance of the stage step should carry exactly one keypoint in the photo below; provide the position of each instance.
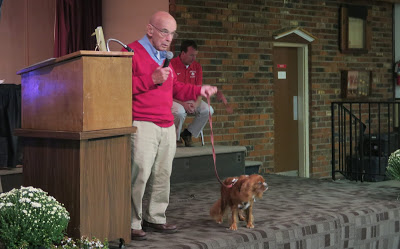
(196, 163)
(252, 167)
(10, 178)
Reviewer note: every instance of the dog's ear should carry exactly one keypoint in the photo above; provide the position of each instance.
(230, 180)
(260, 178)
(243, 183)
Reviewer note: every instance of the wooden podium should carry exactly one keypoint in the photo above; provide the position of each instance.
(76, 122)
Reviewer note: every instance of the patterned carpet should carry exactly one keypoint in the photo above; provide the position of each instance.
(295, 213)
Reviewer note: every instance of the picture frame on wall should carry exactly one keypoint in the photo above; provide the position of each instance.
(355, 29)
(356, 84)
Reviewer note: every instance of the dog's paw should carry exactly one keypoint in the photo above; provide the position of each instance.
(250, 225)
(233, 227)
(241, 215)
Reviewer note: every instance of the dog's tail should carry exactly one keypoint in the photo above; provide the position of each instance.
(216, 212)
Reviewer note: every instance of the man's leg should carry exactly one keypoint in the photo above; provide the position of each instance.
(200, 120)
(159, 183)
(143, 152)
(179, 118)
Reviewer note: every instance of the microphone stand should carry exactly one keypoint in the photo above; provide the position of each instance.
(123, 45)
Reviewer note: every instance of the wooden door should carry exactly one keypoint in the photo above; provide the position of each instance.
(286, 150)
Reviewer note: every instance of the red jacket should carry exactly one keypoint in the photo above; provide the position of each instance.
(192, 75)
(151, 102)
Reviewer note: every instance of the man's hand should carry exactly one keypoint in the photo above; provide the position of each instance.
(160, 75)
(189, 107)
(207, 90)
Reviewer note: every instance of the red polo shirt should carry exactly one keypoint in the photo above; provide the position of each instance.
(192, 75)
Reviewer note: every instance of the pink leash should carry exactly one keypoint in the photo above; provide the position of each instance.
(222, 98)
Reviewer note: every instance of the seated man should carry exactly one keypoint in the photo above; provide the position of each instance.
(190, 72)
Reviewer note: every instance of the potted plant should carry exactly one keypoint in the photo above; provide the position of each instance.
(393, 168)
(30, 218)
(82, 243)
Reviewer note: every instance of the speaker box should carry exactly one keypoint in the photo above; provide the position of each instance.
(370, 169)
(374, 145)
(353, 170)
(375, 168)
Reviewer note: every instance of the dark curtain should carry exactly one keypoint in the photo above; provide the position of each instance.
(76, 20)
(1, 2)
(10, 119)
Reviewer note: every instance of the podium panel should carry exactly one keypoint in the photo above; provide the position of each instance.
(91, 177)
(82, 91)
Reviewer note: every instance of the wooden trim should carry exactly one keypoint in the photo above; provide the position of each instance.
(343, 29)
(71, 56)
(303, 35)
(70, 135)
(172, 7)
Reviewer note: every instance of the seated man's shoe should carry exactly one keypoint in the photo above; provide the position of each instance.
(138, 234)
(179, 143)
(187, 139)
(159, 228)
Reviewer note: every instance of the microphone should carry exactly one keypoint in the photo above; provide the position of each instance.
(128, 48)
(170, 55)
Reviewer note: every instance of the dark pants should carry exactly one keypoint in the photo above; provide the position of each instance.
(10, 119)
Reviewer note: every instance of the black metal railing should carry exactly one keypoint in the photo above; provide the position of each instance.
(364, 134)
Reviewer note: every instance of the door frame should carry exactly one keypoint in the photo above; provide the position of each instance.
(303, 106)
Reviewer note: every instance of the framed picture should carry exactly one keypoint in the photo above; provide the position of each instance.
(355, 30)
(356, 84)
(356, 37)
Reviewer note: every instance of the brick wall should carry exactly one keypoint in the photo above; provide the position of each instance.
(235, 49)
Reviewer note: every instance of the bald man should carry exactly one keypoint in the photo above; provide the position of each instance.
(154, 143)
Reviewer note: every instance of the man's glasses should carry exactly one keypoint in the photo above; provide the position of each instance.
(165, 32)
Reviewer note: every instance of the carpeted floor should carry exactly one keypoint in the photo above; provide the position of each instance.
(294, 213)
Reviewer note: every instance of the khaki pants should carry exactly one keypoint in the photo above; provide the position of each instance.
(153, 149)
(200, 120)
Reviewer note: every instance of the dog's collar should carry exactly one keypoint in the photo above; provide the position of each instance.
(234, 180)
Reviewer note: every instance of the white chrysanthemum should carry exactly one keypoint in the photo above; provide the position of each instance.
(36, 205)
(9, 204)
(9, 193)
(32, 189)
(22, 200)
(24, 211)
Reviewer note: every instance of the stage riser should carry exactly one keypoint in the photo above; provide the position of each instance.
(187, 166)
(200, 168)
(10, 181)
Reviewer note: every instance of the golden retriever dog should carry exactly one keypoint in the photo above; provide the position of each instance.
(239, 198)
